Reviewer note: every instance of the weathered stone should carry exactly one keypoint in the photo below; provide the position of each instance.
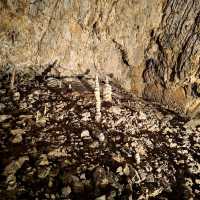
(17, 139)
(85, 116)
(78, 187)
(11, 182)
(66, 191)
(103, 197)
(175, 98)
(100, 177)
(4, 117)
(193, 123)
(2, 107)
(85, 133)
(16, 96)
(2, 92)
(115, 110)
(15, 165)
(94, 144)
(43, 160)
(118, 158)
(17, 131)
(142, 116)
(43, 172)
(120, 170)
(56, 153)
(126, 170)
(153, 92)
(101, 137)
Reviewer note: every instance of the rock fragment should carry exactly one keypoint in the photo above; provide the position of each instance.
(85, 133)
(5, 117)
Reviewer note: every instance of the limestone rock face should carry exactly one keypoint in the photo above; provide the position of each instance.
(152, 47)
(103, 36)
(173, 57)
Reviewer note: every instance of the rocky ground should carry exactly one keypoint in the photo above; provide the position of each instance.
(52, 148)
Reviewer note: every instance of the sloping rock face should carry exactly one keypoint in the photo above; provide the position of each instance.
(150, 46)
(172, 58)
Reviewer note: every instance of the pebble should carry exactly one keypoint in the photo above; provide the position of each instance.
(53, 82)
(53, 196)
(16, 96)
(11, 182)
(6, 125)
(15, 165)
(137, 158)
(194, 168)
(37, 92)
(94, 145)
(85, 116)
(2, 92)
(142, 116)
(85, 133)
(118, 158)
(197, 181)
(120, 170)
(143, 174)
(43, 160)
(44, 172)
(17, 139)
(82, 176)
(56, 153)
(101, 137)
(66, 191)
(50, 183)
(173, 145)
(103, 197)
(5, 117)
(78, 187)
(18, 131)
(115, 110)
(126, 170)
(150, 178)
(2, 107)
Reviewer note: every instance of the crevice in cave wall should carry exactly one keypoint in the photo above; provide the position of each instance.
(124, 54)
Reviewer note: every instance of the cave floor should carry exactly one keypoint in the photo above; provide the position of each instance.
(52, 148)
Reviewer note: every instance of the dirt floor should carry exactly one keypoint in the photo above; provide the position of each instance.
(51, 147)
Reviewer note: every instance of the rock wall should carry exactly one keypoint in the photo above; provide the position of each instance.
(172, 70)
(150, 46)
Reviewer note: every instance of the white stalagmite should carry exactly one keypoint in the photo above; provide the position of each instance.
(107, 91)
(98, 100)
(12, 82)
(45, 108)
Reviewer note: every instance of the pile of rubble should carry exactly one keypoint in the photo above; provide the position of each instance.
(53, 148)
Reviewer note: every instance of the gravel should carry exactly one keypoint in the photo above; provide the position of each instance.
(52, 148)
